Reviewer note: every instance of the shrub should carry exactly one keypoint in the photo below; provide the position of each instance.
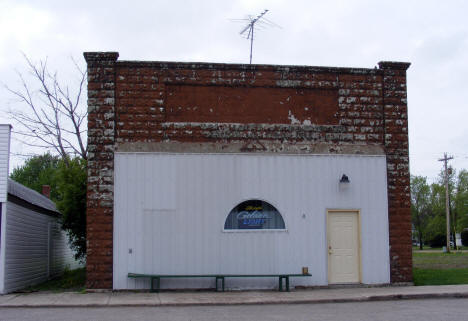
(71, 182)
(438, 240)
(464, 237)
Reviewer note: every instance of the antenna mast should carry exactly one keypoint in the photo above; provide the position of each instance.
(251, 28)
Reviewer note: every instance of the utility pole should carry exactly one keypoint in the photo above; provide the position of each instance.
(447, 211)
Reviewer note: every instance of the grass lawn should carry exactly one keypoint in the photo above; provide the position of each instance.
(440, 268)
(440, 277)
(454, 260)
(73, 280)
(426, 247)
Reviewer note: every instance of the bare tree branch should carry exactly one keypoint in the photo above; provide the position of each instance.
(52, 116)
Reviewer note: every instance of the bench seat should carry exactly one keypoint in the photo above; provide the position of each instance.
(158, 277)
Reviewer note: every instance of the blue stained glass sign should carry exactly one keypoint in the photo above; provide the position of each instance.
(254, 215)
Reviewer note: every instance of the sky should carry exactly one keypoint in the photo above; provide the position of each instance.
(432, 35)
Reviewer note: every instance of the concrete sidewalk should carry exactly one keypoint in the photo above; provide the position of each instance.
(123, 299)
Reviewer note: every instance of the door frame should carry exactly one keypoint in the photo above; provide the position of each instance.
(358, 212)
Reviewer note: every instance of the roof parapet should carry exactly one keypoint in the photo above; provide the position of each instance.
(101, 56)
(394, 65)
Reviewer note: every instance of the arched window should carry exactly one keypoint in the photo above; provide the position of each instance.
(254, 215)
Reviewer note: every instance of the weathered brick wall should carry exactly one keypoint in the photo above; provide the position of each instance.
(227, 104)
(100, 198)
(398, 178)
(158, 101)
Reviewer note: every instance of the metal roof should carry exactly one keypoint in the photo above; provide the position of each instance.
(30, 196)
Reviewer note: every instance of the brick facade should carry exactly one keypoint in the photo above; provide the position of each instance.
(143, 104)
(101, 139)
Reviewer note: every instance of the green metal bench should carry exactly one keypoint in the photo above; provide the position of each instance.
(218, 277)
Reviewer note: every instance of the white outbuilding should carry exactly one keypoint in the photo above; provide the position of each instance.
(33, 247)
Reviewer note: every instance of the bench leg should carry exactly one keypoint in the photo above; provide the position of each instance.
(222, 282)
(286, 281)
(158, 283)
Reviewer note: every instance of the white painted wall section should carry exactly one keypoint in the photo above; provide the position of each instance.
(2, 246)
(4, 160)
(35, 248)
(61, 256)
(170, 209)
(5, 132)
(26, 257)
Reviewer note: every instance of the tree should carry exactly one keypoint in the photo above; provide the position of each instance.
(54, 116)
(451, 191)
(436, 218)
(38, 171)
(428, 205)
(420, 205)
(71, 183)
(68, 191)
(461, 201)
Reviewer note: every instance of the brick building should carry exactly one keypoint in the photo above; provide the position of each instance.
(229, 168)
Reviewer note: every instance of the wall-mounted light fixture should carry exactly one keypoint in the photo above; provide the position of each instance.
(344, 179)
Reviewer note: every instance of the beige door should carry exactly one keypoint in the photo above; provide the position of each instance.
(343, 247)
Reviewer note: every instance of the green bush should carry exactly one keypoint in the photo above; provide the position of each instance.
(38, 171)
(464, 237)
(438, 241)
(71, 182)
(67, 179)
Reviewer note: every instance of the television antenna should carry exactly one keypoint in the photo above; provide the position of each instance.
(258, 22)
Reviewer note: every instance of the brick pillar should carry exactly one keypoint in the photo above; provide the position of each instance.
(100, 190)
(395, 117)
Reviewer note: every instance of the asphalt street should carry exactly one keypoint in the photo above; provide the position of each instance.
(427, 310)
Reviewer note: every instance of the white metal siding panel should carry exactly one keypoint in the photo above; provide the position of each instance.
(26, 256)
(4, 160)
(2, 247)
(62, 256)
(170, 211)
(27, 248)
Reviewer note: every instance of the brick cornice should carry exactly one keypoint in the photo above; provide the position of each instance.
(394, 65)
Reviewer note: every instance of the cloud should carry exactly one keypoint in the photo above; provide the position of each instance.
(21, 27)
(431, 35)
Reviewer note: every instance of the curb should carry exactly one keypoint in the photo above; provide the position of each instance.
(372, 298)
